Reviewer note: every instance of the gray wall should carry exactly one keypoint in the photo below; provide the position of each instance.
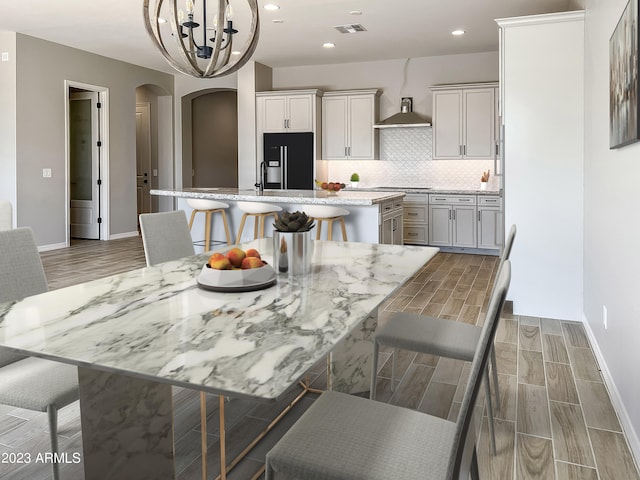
(8, 119)
(40, 126)
(612, 231)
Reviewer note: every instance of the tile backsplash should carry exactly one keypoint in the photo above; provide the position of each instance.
(405, 161)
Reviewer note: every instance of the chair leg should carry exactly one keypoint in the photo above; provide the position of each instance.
(374, 371)
(256, 225)
(193, 215)
(394, 357)
(239, 237)
(474, 470)
(492, 433)
(330, 229)
(262, 222)
(207, 230)
(318, 229)
(226, 227)
(344, 230)
(494, 369)
(52, 413)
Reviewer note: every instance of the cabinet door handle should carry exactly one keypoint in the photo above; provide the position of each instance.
(412, 214)
(346, 154)
(460, 149)
(449, 214)
(464, 150)
(454, 214)
(478, 215)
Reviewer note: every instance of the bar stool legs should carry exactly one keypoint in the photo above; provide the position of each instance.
(207, 225)
(259, 211)
(330, 221)
(329, 214)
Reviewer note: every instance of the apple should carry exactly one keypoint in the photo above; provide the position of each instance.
(220, 264)
(324, 185)
(235, 256)
(216, 256)
(252, 252)
(252, 262)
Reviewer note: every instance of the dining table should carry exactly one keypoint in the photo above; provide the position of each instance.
(136, 334)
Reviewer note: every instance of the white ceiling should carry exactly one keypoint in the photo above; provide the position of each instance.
(395, 28)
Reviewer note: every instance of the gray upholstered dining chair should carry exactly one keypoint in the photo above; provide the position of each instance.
(344, 436)
(28, 382)
(437, 336)
(165, 236)
(6, 215)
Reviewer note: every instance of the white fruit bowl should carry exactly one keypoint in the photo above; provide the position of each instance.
(236, 280)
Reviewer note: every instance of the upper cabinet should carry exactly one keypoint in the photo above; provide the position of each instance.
(288, 111)
(347, 125)
(464, 121)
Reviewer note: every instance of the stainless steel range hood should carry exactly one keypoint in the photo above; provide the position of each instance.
(405, 118)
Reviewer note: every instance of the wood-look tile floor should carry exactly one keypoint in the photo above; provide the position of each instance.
(556, 420)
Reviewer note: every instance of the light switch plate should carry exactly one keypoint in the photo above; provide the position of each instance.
(46, 173)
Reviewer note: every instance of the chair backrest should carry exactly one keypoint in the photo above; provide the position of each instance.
(21, 273)
(508, 244)
(6, 215)
(479, 364)
(165, 236)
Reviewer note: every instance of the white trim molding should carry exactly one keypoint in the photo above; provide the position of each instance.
(116, 236)
(544, 18)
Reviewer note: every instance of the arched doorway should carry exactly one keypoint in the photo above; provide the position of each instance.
(210, 138)
(154, 147)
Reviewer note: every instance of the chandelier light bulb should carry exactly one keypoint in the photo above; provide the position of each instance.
(229, 13)
(189, 7)
(180, 16)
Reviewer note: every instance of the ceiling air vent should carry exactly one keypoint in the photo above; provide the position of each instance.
(350, 28)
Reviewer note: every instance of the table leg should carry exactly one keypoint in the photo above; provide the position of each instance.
(127, 427)
(351, 360)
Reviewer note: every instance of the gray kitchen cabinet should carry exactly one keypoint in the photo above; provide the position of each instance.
(452, 221)
(490, 222)
(464, 122)
(347, 125)
(415, 218)
(391, 225)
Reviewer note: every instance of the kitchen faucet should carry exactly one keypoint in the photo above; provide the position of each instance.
(263, 170)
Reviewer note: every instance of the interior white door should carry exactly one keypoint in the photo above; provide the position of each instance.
(84, 168)
(143, 157)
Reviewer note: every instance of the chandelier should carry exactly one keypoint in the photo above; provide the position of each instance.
(200, 47)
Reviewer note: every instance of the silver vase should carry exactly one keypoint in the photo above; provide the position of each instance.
(292, 252)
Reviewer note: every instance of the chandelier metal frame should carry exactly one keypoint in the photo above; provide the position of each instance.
(219, 55)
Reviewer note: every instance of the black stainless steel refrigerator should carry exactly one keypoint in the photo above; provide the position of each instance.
(289, 161)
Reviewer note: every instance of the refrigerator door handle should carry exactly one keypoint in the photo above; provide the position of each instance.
(286, 166)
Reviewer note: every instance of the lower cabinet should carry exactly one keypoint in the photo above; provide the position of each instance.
(452, 221)
(490, 222)
(391, 227)
(415, 219)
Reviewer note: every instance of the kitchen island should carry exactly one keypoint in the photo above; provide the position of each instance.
(371, 213)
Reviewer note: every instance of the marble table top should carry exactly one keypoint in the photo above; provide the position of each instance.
(315, 197)
(156, 323)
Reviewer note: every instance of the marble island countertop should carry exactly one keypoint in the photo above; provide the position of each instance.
(154, 323)
(317, 197)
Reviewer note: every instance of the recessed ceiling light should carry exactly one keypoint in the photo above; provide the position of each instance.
(277, 20)
(328, 45)
(355, 12)
(271, 6)
(458, 32)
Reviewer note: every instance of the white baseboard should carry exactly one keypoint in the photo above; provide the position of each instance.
(53, 246)
(117, 236)
(616, 399)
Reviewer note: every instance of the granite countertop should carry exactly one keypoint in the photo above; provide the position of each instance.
(155, 323)
(317, 197)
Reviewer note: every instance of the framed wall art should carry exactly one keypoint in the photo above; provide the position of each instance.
(624, 127)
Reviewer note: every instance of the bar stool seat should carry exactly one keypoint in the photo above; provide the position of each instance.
(209, 207)
(260, 211)
(329, 214)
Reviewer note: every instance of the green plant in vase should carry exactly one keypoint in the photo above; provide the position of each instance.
(355, 179)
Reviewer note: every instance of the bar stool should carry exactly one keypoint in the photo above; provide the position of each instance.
(209, 207)
(259, 211)
(329, 214)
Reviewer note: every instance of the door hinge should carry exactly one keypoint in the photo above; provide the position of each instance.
(99, 219)
(98, 105)
(99, 182)
(99, 143)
